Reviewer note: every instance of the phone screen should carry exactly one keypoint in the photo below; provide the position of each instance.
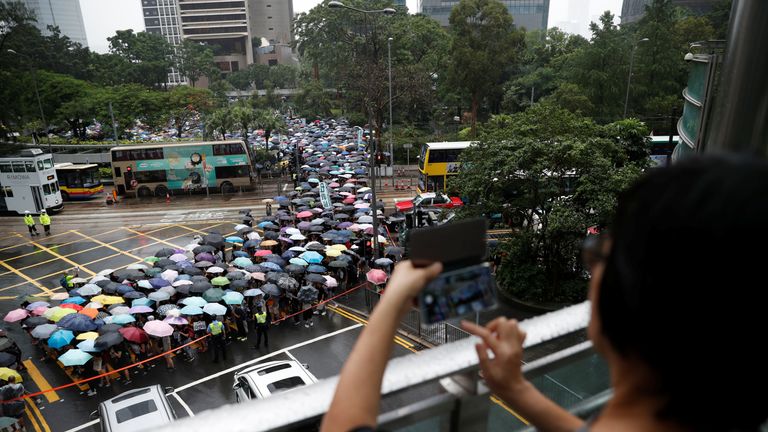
(457, 293)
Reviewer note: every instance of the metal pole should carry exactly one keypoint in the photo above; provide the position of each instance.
(375, 241)
(629, 78)
(114, 125)
(391, 131)
(40, 106)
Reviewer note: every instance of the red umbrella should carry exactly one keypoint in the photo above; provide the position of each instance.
(134, 334)
(72, 306)
(304, 214)
(263, 252)
(376, 276)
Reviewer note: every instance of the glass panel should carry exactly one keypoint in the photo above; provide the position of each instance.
(5, 167)
(18, 166)
(48, 163)
(29, 166)
(135, 410)
(697, 80)
(39, 165)
(46, 189)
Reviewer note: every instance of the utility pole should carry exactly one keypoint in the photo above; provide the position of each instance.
(114, 125)
(391, 131)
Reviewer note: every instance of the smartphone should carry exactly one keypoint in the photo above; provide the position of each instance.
(458, 293)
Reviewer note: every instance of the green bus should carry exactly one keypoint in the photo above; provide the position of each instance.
(157, 169)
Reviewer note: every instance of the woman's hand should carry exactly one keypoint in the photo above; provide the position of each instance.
(504, 338)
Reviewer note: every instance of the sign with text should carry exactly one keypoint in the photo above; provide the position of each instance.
(325, 197)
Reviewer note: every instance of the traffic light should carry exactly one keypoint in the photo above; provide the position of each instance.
(129, 168)
(379, 158)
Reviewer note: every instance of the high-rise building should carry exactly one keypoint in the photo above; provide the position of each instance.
(64, 14)
(399, 2)
(633, 10)
(271, 26)
(531, 14)
(162, 17)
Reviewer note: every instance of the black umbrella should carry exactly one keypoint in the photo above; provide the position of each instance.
(128, 274)
(239, 284)
(183, 289)
(109, 288)
(235, 275)
(254, 268)
(307, 294)
(315, 247)
(271, 289)
(164, 252)
(295, 269)
(107, 340)
(173, 267)
(7, 359)
(199, 287)
(338, 264)
(164, 262)
(203, 264)
(35, 321)
(192, 271)
(199, 279)
(203, 248)
(108, 328)
(103, 283)
(288, 283)
(271, 235)
(213, 240)
(316, 228)
(274, 276)
(312, 277)
(245, 230)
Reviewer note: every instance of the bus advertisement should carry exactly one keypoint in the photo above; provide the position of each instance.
(78, 181)
(437, 162)
(28, 183)
(159, 168)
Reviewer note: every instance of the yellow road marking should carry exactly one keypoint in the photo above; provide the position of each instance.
(102, 259)
(41, 382)
(25, 277)
(397, 339)
(508, 409)
(62, 257)
(104, 244)
(30, 241)
(40, 417)
(157, 240)
(32, 419)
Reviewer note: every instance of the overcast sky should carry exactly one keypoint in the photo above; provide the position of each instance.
(103, 17)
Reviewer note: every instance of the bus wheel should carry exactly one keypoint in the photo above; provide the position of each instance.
(144, 192)
(161, 191)
(64, 196)
(227, 187)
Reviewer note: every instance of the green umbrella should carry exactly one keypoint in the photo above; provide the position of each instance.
(213, 295)
(219, 281)
(151, 259)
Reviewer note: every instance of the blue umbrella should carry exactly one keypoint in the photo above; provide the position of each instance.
(134, 295)
(60, 338)
(242, 262)
(77, 322)
(123, 289)
(271, 266)
(75, 357)
(240, 254)
(159, 282)
(298, 261)
(312, 257)
(123, 319)
(191, 310)
(87, 345)
(232, 297)
(234, 239)
(251, 244)
(314, 268)
(142, 302)
(263, 224)
(75, 300)
(194, 301)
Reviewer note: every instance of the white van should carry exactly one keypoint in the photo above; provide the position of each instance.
(134, 410)
(265, 379)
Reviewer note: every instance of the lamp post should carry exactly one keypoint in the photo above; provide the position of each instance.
(37, 95)
(629, 77)
(391, 131)
(372, 144)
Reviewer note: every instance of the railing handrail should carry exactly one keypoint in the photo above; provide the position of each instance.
(280, 411)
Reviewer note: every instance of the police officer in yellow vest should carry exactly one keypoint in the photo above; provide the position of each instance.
(261, 321)
(45, 221)
(29, 221)
(218, 333)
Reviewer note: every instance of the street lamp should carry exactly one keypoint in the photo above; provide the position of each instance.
(391, 131)
(629, 77)
(37, 94)
(372, 145)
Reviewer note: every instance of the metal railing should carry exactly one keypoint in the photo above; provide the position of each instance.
(461, 403)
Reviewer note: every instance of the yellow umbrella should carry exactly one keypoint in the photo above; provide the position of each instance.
(332, 252)
(268, 243)
(108, 300)
(6, 373)
(340, 247)
(61, 313)
(49, 313)
(87, 336)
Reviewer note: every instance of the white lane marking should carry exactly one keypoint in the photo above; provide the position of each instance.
(285, 187)
(83, 426)
(256, 360)
(288, 353)
(183, 404)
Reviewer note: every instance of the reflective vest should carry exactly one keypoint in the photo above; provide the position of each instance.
(29, 220)
(215, 328)
(45, 219)
(261, 318)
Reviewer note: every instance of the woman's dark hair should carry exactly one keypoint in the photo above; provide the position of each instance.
(684, 290)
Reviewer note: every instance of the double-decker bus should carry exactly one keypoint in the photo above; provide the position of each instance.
(78, 181)
(437, 162)
(156, 169)
(28, 183)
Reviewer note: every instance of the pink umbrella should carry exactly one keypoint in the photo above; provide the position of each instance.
(362, 205)
(16, 315)
(376, 276)
(39, 310)
(334, 185)
(159, 328)
(330, 282)
(304, 214)
(259, 276)
(174, 320)
(140, 309)
(263, 252)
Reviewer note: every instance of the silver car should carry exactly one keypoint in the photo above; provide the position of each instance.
(265, 379)
(134, 410)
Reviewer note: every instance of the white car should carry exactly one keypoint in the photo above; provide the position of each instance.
(138, 409)
(265, 379)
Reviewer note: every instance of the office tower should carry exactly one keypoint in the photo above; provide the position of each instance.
(271, 25)
(64, 14)
(161, 17)
(633, 10)
(531, 14)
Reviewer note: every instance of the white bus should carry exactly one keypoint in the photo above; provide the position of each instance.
(28, 183)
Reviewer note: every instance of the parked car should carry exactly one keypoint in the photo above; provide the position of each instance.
(139, 409)
(265, 379)
(439, 200)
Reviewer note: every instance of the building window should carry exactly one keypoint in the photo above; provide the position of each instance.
(7, 192)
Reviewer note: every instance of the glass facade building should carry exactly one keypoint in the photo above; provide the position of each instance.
(531, 14)
(64, 14)
(161, 17)
(633, 10)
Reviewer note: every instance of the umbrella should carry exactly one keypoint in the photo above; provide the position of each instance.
(204, 256)
(159, 296)
(87, 335)
(271, 289)
(194, 301)
(298, 262)
(394, 251)
(107, 300)
(316, 278)
(191, 310)
(89, 290)
(159, 282)
(34, 322)
(169, 275)
(16, 315)
(77, 322)
(89, 312)
(253, 292)
(312, 257)
(134, 295)
(215, 269)
(219, 281)
(119, 310)
(72, 300)
(234, 239)
(55, 314)
(140, 309)
(330, 282)
(6, 373)
(164, 309)
(7, 359)
(178, 257)
(107, 340)
(232, 298)
(287, 283)
(203, 264)
(123, 319)
(314, 268)
(164, 252)
(108, 328)
(87, 345)
(44, 331)
(144, 284)
(376, 276)
(158, 328)
(134, 334)
(75, 357)
(204, 249)
(307, 294)
(383, 261)
(60, 296)
(213, 295)
(213, 240)
(175, 320)
(60, 338)
(242, 262)
(182, 282)
(214, 309)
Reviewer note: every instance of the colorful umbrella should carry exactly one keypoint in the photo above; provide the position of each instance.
(219, 281)
(6, 373)
(158, 328)
(134, 334)
(87, 335)
(75, 357)
(16, 315)
(376, 276)
(60, 338)
(214, 309)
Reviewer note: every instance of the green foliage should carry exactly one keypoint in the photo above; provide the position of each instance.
(145, 57)
(195, 60)
(557, 173)
(313, 102)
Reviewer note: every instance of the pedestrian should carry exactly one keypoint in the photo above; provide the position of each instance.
(307, 315)
(122, 359)
(188, 335)
(169, 355)
(218, 334)
(241, 316)
(45, 221)
(29, 221)
(10, 403)
(269, 209)
(261, 319)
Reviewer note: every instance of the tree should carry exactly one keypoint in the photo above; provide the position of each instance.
(220, 120)
(194, 60)
(147, 57)
(313, 101)
(484, 43)
(268, 120)
(553, 173)
(244, 117)
(184, 103)
(13, 15)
